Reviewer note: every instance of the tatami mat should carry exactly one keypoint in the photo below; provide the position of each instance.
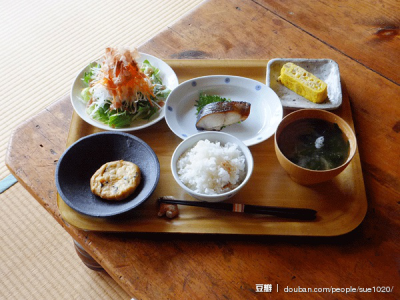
(43, 44)
(38, 260)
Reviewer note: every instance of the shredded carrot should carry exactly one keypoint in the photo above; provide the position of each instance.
(123, 78)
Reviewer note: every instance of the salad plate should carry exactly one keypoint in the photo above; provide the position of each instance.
(167, 75)
(265, 114)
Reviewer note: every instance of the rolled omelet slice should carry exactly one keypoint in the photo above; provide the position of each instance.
(303, 83)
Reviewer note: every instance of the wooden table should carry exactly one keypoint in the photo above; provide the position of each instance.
(363, 38)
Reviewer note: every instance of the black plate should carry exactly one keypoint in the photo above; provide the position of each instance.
(79, 162)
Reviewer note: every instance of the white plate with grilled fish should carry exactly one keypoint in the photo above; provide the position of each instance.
(252, 111)
(325, 69)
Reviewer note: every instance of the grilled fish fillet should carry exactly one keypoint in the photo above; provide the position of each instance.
(217, 115)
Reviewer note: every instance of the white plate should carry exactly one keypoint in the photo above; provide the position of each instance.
(265, 113)
(325, 69)
(168, 77)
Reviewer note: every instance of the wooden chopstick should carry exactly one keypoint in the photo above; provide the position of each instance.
(282, 212)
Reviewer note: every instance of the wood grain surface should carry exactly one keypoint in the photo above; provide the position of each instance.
(173, 266)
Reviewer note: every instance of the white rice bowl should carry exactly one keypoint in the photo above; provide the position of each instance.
(211, 168)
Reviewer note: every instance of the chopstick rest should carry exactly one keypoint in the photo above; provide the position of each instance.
(282, 212)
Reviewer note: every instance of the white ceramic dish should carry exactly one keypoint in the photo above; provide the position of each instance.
(212, 136)
(325, 69)
(168, 76)
(265, 114)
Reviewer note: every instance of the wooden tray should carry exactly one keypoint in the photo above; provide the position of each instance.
(341, 203)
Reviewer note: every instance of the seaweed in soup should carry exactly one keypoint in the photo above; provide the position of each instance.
(314, 144)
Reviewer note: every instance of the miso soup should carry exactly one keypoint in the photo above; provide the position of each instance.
(314, 144)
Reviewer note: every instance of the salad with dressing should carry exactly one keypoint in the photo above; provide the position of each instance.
(119, 91)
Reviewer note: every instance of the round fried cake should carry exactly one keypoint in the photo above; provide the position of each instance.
(115, 180)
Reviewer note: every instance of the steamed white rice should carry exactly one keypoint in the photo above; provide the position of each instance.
(211, 168)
